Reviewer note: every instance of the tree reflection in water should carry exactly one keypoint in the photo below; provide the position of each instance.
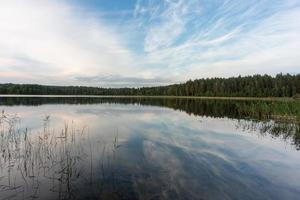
(279, 118)
(51, 164)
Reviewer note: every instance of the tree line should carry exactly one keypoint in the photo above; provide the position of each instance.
(282, 85)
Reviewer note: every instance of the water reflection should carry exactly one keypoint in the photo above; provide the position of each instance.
(281, 119)
(109, 150)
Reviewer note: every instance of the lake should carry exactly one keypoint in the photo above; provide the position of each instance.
(148, 148)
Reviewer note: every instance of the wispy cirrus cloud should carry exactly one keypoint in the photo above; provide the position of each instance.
(221, 38)
(165, 21)
(145, 42)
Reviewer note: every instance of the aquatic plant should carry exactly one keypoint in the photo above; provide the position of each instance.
(45, 162)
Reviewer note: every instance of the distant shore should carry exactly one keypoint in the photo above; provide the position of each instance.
(142, 96)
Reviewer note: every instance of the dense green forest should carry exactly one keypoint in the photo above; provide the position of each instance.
(282, 85)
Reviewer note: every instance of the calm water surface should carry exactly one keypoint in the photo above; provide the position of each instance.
(53, 148)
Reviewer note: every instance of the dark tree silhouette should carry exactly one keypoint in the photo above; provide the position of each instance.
(282, 85)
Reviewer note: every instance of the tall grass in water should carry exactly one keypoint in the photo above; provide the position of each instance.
(280, 119)
(278, 111)
(46, 163)
(288, 131)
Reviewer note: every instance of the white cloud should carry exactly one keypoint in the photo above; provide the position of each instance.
(54, 42)
(51, 42)
(225, 39)
(165, 21)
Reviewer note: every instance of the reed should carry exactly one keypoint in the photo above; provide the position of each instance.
(32, 162)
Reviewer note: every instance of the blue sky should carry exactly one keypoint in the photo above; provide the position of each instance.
(115, 43)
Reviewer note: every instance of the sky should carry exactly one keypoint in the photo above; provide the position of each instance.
(132, 43)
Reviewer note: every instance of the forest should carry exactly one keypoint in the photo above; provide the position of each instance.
(281, 85)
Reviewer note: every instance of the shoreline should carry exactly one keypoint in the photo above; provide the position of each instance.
(158, 97)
